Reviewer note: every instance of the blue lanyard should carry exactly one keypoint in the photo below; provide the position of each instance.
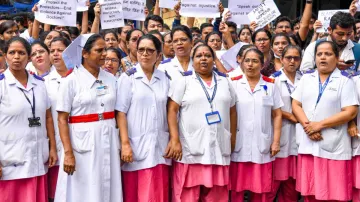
(322, 88)
(210, 99)
(288, 87)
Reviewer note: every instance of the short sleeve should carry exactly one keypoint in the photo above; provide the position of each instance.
(308, 59)
(123, 93)
(278, 103)
(297, 94)
(348, 94)
(234, 98)
(177, 90)
(65, 96)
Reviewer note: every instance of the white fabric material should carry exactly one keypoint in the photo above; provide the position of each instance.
(203, 143)
(73, 53)
(24, 151)
(338, 94)
(96, 145)
(288, 144)
(144, 103)
(255, 131)
(356, 141)
(25, 35)
(174, 68)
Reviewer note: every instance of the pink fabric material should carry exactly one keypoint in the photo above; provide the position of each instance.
(52, 180)
(324, 179)
(356, 195)
(203, 194)
(196, 175)
(239, 197)
(208, 83)
(146, 185)
(250, 176)
(285, 168)
(356, 170)
(24, 190)
(285, 190)
(312, 199)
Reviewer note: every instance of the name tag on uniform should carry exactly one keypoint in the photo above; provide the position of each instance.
(213, 117)
(34, 122)
(102, 90)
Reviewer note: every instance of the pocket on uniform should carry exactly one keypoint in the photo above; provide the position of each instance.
(140, 146)
(331, 139)
(12, 152)
(82, 140)
(264, 143)
(195, 142)
(45, 150)
(266, 119)
(224, 141)
(239, 141)
(268, 101)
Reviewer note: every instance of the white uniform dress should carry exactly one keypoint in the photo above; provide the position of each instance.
(173, 68)
(356, 141)
(24, 150)
(144, 103)
(95, 144)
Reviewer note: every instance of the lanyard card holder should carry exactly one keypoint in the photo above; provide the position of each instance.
(34, 122)
(102, 90)
(213, 117)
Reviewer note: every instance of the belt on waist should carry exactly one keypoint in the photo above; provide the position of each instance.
(91, 117)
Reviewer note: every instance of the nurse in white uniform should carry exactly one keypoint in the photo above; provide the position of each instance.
(259, 130)
(90, 164)
(52, 83)
(285, 163)
(324, 102)
(182, 62)
(202, 116)
(26, 129)
(141, 116)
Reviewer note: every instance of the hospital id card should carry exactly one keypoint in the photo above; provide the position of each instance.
(102, 90)
(213, 117)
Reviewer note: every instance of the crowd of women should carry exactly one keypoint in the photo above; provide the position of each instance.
(152, 115)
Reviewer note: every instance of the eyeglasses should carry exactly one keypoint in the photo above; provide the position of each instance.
(247, 61)
(112, 60)
(150, 51)
(262, 40)
(182, 40)
(290, 58)
(35, 53)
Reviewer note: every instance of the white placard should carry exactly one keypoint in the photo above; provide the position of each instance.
(134, 9)
(111, 14)
(81, 6)
(229, 58)
(358, 5)
(200, 8)
(325, 17)
(57, 12)
(168, 3)
(264, 13)
(240, 9)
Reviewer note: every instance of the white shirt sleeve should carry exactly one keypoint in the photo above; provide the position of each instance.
(65, 96)
(308, 59)
(278, 103)
(177, 90)
(124, 93)
(349, 94)
(297, 94)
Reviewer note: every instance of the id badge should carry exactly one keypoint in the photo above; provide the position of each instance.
(34, 122)
(102, 90)
(213, 117)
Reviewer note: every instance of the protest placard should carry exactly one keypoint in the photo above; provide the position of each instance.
(264, 13)
(240, 9)
(325, 17)
(57, 12)
(81, 6)
(229, 57)
(134, 9)
(358, 5)
(111, 14)
(200, 8)
(168, 3)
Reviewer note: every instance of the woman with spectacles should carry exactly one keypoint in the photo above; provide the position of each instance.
(40, 59)
(122, 32)
(261, 39)
(112, 62)
(324, 101)
(259, 129)
(8, 30)
(202, 121)
(141, 117)
(132, 38)
(90, 166)
(278, 43)
(285, 163)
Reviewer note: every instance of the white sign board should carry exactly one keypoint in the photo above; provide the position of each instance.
(134, 9)
(229, 58)
(265, 13)
(57, 12)
(358, 5)
(240, 9)
(81, 6)
(111, 14)
(168, 3)
(325, 17)
(200, 8)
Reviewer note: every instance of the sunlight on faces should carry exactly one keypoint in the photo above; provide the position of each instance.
(203, 61)
(245, 36)
(326, 60)
(40, 57)
(17, 57)
(291, 60)
(182, 44)
(56, 50)
(97, 54)
(215, 42)
(279, 45)
(251, 64)
(50, 37)
(112, 62)
(262, 42)
(147, 54)
(111, 41)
